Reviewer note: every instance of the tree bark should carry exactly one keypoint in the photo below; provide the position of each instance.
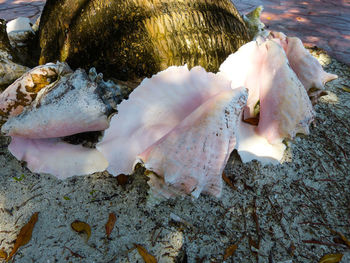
(131, 39)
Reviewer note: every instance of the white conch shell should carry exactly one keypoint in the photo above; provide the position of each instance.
(56, 157)
(69, 106)
(174, 106)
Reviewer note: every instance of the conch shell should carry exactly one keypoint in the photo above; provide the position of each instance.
(181, 124)
(306, 67)
(40, 113)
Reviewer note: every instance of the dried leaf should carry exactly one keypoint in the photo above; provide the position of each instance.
(25, 234)
(148, 258)
(228, 181)
(81, 227)
(331, 258)
(230, 251)
(3, 254)
(252, 243)
(110, 224)
(122, 179)
(347, 89)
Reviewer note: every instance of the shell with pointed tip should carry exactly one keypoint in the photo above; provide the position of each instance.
(307, 68)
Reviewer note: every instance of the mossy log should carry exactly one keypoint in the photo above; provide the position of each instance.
(130, 39)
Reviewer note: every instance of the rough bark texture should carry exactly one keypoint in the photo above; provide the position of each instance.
(128, 39)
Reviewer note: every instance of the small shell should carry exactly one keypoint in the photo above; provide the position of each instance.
(9, 71)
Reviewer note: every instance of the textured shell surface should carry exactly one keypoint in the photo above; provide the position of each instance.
(285, 108)
(192, 156)
(175, 107)
(69, 106)
(154, 109)
(9, 70)
(24, 90)
(138, 38)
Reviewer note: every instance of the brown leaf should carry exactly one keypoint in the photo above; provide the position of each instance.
(110, 224)
(252, 243)
(25, 234)
(331, 258)
(3, 254)
(228, 181)
(122, 179)
(81, 227)
(230, 250)
(148, 258)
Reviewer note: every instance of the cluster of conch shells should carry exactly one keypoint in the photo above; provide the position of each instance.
(181, 124)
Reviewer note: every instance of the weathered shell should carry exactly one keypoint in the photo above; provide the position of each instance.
(23, 91)
(69, 106)
(138, 38)
(180, 111)
(285, 109)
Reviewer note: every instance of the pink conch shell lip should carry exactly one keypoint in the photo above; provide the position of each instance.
(163, 112)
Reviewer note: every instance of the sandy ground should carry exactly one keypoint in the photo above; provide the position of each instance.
(276, 214)
(287, 209)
